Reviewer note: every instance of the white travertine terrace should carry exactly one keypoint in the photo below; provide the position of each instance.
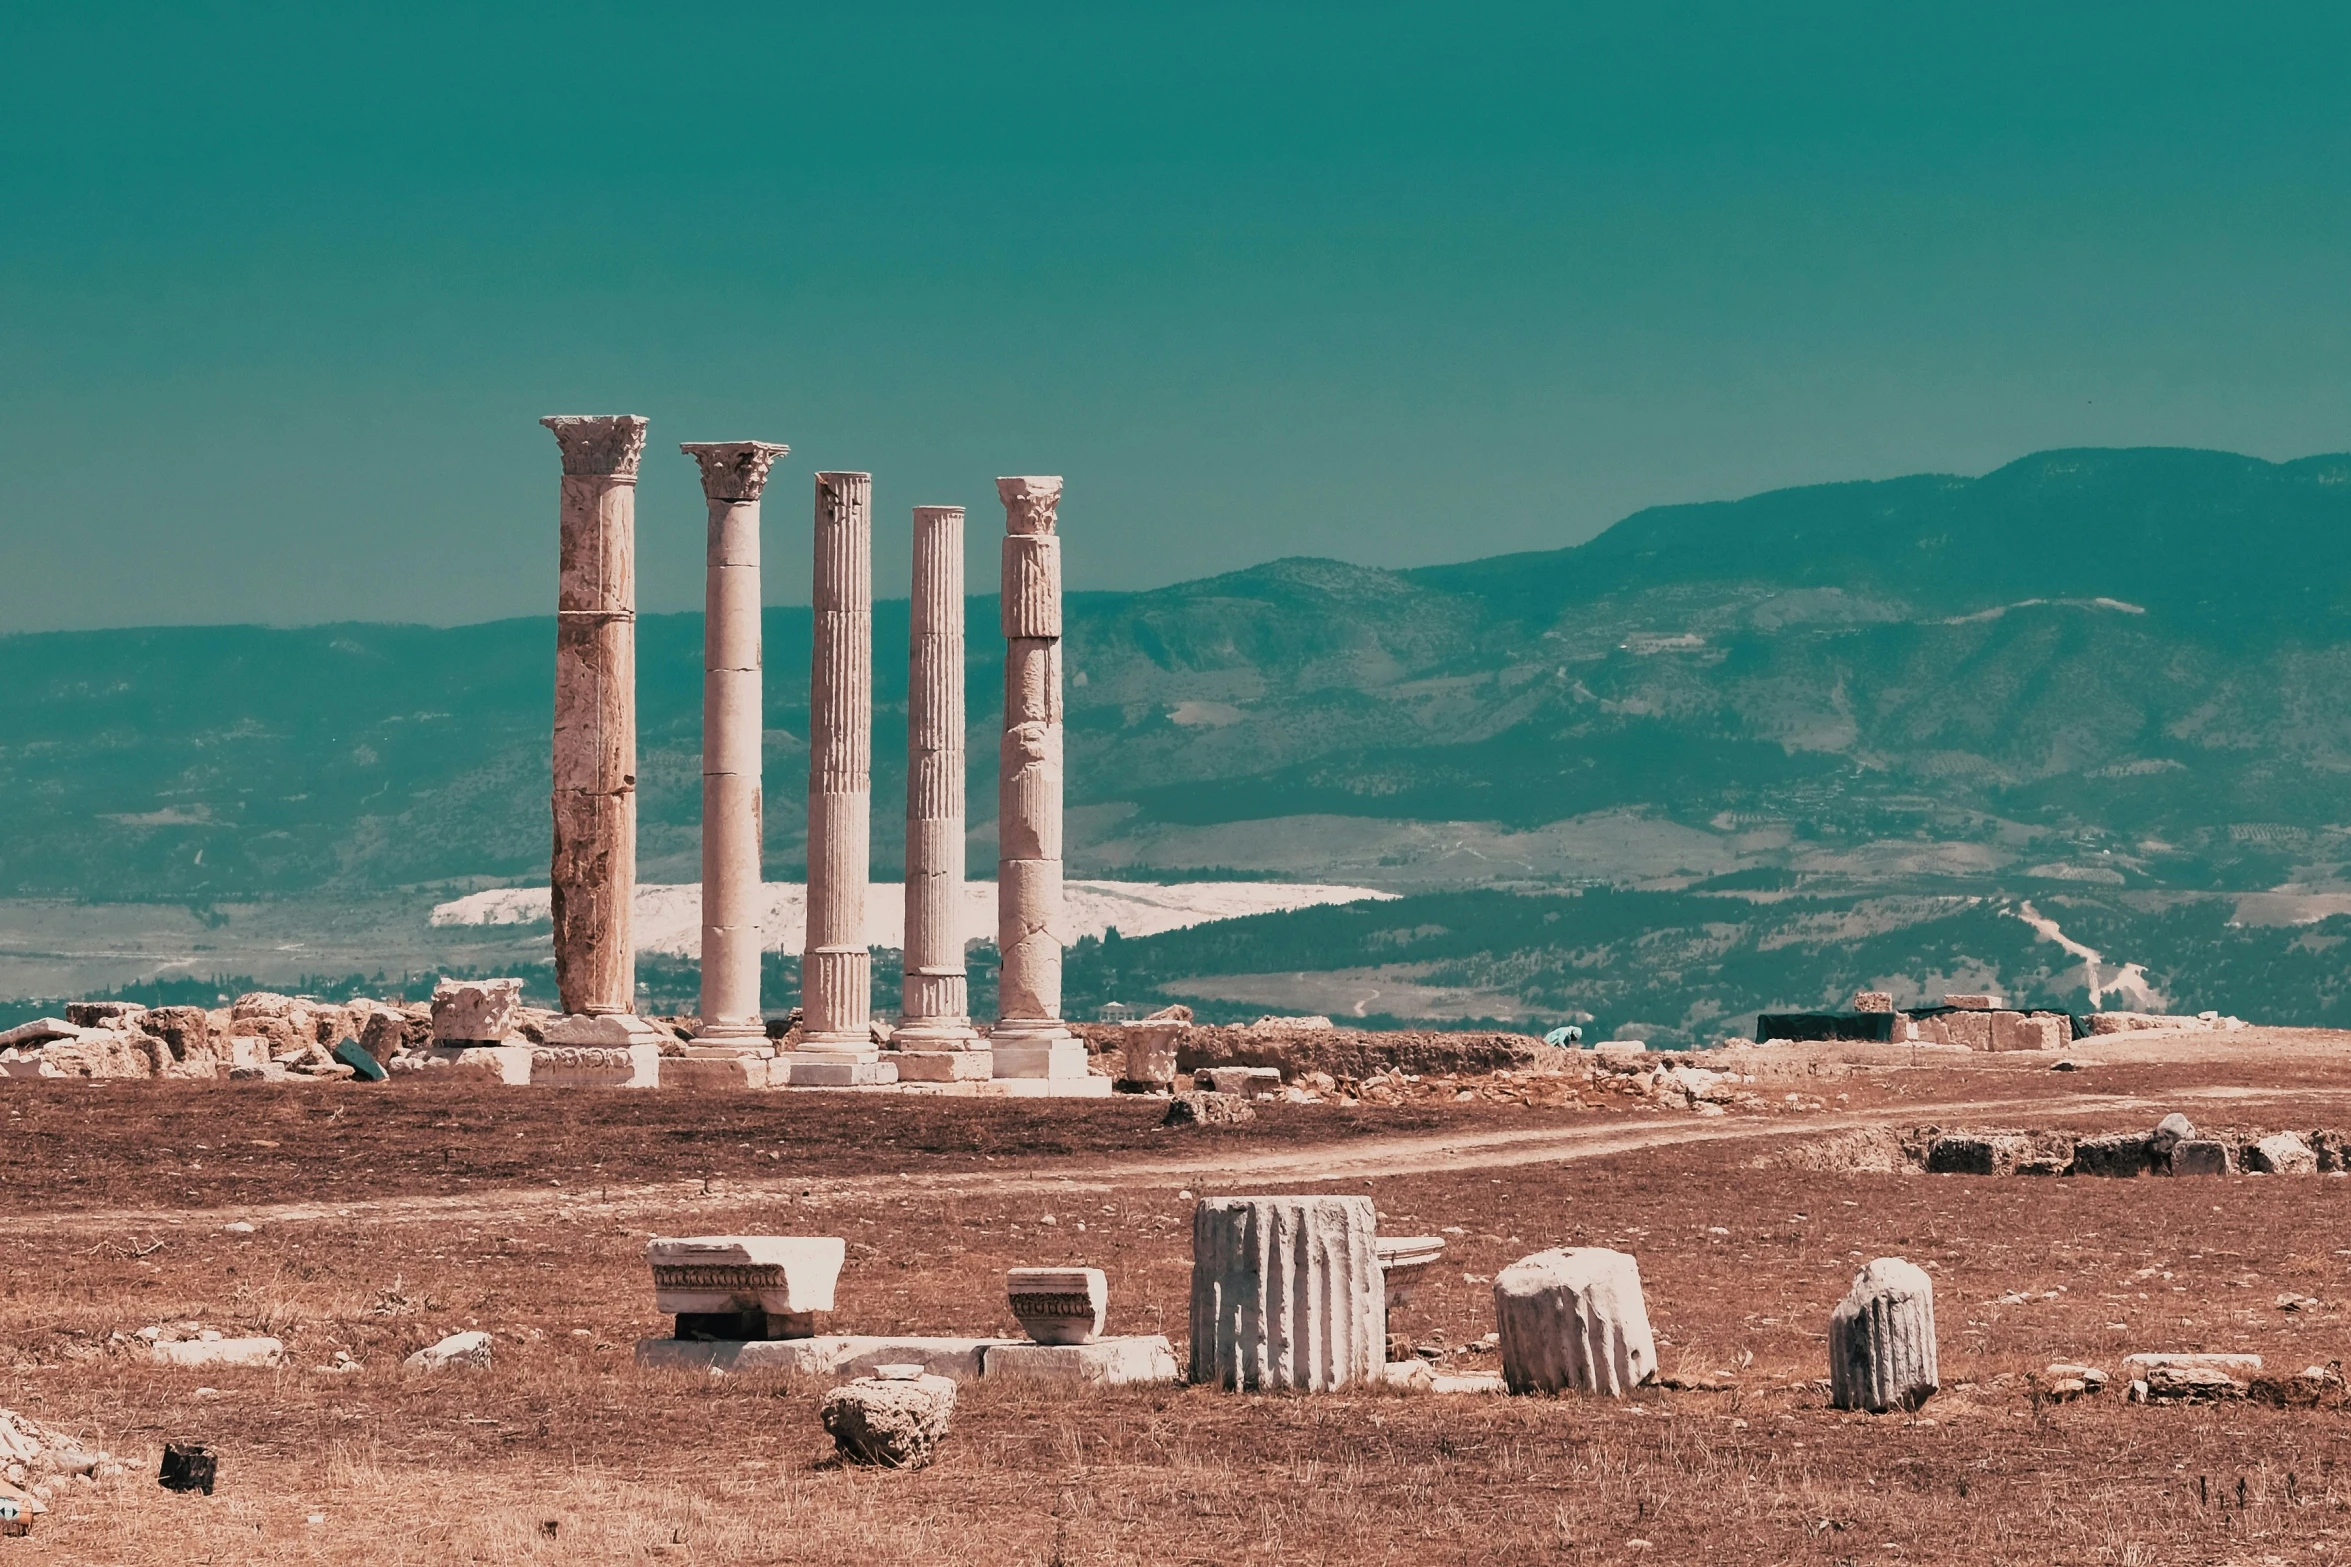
(594, 871)
(733, 474)
(935, 1038)
(1028, 1039)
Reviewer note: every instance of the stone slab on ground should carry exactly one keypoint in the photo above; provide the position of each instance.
(717, 1074)
(596, 1066)
(826, 1355)
(213, 1354)
(1021, 1060)
(945, 1066)
(1107, 1362)
(804, 1070)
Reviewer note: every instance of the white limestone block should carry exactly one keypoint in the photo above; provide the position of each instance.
(1059, 1305)
(2282, 1153)
(212, 1354)
(1149, 1050)
(1882, 1340)
(1108, 1362)
(1286, 1293)
(1574, 1318)
(785, 1275)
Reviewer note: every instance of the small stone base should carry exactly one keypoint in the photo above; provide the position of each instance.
(508, 1064)
(596, 1066)
(944, 1066)
(837, 1355)
(1108, 1362)
(717, 1073)
(814, 1071)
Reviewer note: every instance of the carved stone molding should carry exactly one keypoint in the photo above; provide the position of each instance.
(599, 446)
(734, 470)
(1029, 502)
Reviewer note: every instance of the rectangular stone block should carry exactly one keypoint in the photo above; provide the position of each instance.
(596, 1066)
(2201, 1156)
(2119, 1155)
(944, 1066)
(507, 1064)
(1015, 1057)
(1972, 1029)
(837, 1356)
(1109, 1362)
(2020, 1031)
(778, 1274)
(1972, 1003)
(718, 1074)
(803, 1070)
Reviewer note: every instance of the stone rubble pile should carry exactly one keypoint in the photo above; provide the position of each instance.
(39, 1462)
(2173, 1147)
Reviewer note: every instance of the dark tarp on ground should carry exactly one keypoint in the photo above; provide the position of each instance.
(1873, 1026)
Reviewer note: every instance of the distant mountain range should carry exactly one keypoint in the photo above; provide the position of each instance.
(2102, 674)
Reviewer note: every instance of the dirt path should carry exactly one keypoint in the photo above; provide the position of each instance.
(1357, 1160)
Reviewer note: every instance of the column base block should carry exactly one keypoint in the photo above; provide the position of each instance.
(508, 1064)
(596, 1066)
(945, 1066)
(608, 1029)
(717, 1072)
(799, 1070)
(1021, 1053)
(1107, 1362)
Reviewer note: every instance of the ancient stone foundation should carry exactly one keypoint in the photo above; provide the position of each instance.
(1286, 1293)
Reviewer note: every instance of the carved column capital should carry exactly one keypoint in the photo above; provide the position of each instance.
(599, 446)
(1030, 502)
(734, 470)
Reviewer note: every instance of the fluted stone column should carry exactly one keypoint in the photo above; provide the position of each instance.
(1028, 1039)
(733, 474)
(1286, 1293)
(1882, 1339)
(936, 1041)
(836, 1048)
(1574, 1319)
(594, 873)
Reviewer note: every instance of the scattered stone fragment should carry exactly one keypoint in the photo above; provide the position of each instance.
(2190, 1376)
(1148, 1049)
(1250, 1082)
(895, 1421)
(2282, 1153)
(1574, 1318)
(1882, 1340)
(1286, 1293)
(2200, 1156)
(354, 1055)
(2065, 1380)
(468, 1349)
(2173, 1129)
(1208, 1109)
(1405, 1260)
(1872, 1001)
(2333, 1150)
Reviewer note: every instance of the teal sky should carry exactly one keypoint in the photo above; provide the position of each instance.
(283, 288)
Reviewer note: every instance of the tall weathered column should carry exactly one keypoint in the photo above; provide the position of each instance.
(733, 474)
(1028, 1039)
(936, 1041)
(594, 874)
(836, 1046)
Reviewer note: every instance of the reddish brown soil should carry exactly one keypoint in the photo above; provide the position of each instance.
(525, 1213)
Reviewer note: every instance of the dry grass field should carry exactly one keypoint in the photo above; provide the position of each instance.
(387, 1218)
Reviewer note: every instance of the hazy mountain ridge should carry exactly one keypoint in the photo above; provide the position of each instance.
(2124, 663)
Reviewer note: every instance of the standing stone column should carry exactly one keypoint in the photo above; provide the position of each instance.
(1882, 1339)
(1286, 1293)
(836, 1048)
(594, 874)
(936, 1041)
(1028, 1039)
(733, 474)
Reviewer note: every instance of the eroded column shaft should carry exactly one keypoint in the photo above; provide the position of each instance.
(835, 969)
(594, 871)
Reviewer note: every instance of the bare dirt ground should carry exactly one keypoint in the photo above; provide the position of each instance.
(387, 1218)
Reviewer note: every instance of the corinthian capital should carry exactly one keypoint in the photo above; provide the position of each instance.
(1029, 502)
(599, 446)
(733, 470)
